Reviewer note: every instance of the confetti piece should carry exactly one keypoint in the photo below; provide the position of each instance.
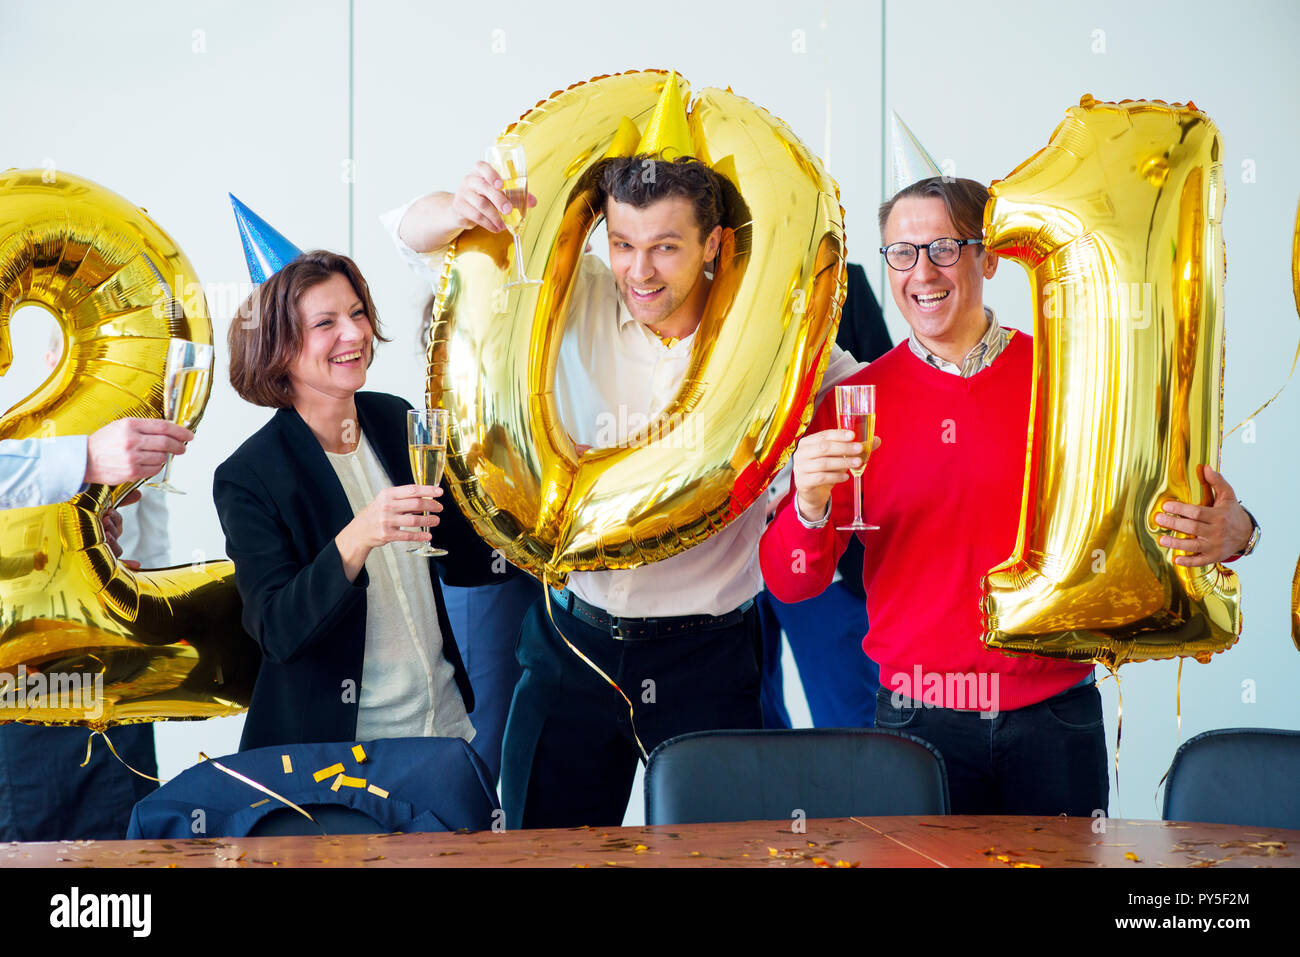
(695, 853)
(288, 765)
(330, 771)
(1132, 857)
(821, 862)
(359, 753)
(772, 852)
(348, 782)
(261, 802)
(846, 863)
(640, 849)
(337, 782)
(375, 789)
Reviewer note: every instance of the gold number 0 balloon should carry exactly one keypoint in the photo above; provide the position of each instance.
(759, 352)
(1117, 223)
(83, 639)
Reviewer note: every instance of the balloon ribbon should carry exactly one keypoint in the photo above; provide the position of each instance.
(631, 713)
(91, 740)
(265, 790)
(1119, 726)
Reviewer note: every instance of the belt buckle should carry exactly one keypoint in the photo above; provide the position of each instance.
(615, 630)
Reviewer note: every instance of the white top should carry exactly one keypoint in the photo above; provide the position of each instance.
(408, 689)
(613, 376)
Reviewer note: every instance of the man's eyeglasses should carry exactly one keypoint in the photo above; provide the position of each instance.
(942, 252)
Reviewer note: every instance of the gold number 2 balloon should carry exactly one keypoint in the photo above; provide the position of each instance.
(758, 355)
(83, 639)
(1117, 222)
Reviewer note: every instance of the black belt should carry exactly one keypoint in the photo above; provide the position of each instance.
(644, 627)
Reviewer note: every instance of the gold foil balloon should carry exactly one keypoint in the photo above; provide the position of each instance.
(83, 639)
(758, 354)
(1117, 223)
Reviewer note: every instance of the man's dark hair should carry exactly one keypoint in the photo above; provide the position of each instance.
(963, 198)
(641, 180)
(266, 336)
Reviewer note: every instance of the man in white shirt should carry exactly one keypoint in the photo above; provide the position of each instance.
(678, 636)
(46, 471)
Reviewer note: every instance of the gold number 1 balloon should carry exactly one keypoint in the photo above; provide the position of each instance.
(1117, 223)
(83, 639)
(758, 355)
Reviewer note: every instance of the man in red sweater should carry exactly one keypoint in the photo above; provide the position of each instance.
(1019, 735)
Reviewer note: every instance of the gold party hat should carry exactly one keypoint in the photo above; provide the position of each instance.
(667, 135)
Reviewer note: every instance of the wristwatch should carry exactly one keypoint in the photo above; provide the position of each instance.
(1254, 535)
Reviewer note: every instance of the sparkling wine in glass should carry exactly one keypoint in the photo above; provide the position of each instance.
(185, 387)
(855, 410)
(507, 157)
(426, 440)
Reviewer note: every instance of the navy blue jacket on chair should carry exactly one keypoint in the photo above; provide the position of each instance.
(281, 506)
(404, 784)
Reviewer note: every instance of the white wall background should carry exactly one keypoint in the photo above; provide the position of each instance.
(174, 104)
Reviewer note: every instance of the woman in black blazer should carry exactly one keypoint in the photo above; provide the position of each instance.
(309, 505)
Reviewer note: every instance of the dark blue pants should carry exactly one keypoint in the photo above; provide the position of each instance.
(1045, 759)
(825, 635)
(485, 621)
(569, 757)
(45, 794)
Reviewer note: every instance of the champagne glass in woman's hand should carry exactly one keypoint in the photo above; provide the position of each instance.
(426, 439)
(507, 157)
(185, 386)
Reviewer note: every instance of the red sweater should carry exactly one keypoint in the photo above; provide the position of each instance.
(945, 488)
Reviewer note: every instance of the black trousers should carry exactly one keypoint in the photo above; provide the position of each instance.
(569, 757)
(1044, 759)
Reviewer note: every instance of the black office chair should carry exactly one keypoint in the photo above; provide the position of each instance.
(1236, 776)
(770, 775)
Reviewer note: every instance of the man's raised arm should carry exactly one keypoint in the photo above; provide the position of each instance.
(433, 221)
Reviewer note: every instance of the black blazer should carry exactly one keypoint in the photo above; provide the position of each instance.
(281, 505)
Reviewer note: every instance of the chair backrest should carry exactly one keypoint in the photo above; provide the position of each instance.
(772, 775)
(1236, 776)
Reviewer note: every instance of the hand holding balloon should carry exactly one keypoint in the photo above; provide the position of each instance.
(822, 461)
(128, 450)
(1209, 533)
(112, 520)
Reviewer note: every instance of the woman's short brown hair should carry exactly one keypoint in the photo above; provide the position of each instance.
(266, 335)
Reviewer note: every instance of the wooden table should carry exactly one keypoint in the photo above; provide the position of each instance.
(934, 842)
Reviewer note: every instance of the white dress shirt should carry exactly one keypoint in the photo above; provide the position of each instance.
(613, 376)
(408, 689)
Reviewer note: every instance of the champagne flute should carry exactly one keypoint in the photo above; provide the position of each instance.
(506, 156)
(426, 440)
(189, 365)
(855, 410)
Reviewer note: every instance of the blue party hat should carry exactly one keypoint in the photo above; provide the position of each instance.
(264, 248)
